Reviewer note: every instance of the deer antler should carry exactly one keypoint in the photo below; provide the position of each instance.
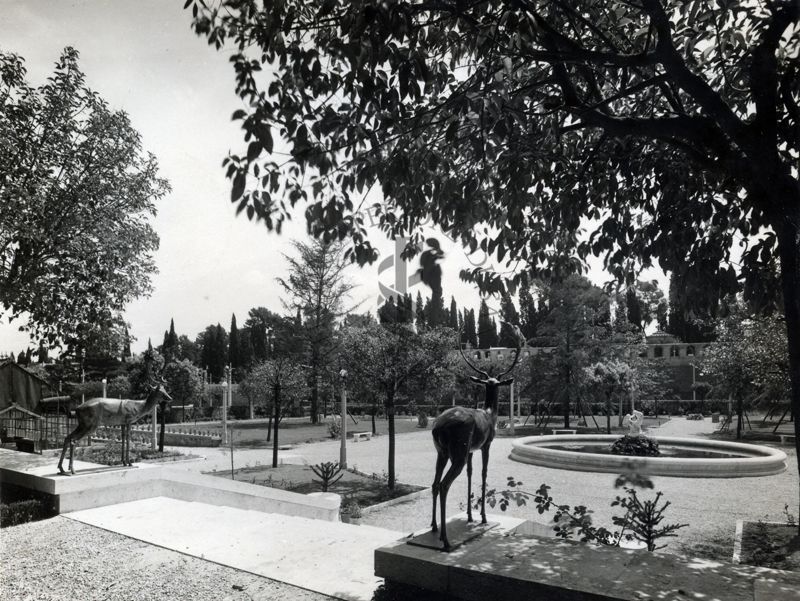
(520, 338)
(467, 361)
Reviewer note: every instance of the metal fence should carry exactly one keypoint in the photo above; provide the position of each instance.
(55, 428)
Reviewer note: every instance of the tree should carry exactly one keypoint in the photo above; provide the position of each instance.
(76, 195)
(282, 375)
(184, 381)
(319, 290)
(170, 349)
(749, 358)
(673, 126)
(470, 330)
(613, 379)
(452, 315)
(213, 342)
(487, 329)
(234, 352)
(419, 313)
(529, 317)
(391, 357)
(260, 320)
(510, 317)
(576, 323)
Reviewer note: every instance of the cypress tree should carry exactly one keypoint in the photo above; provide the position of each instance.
(453, 315)
(487, 329)
(420, 312)
(470, 330)
(234, 352)
(388, 312)
(510, 315)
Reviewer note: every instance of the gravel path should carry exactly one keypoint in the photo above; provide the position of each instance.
(60, 559)
(710, 506)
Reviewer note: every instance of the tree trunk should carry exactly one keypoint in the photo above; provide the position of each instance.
(609, 408)
(788, 231)
(163, 407)
(314, 393)
(374, 411)
(275, 420)
(390, 418)
(739, 416)
(269, 428)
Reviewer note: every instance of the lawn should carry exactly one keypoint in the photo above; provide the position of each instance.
(365, 490)
(253, 433)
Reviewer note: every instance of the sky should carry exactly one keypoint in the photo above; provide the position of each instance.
(142, 57)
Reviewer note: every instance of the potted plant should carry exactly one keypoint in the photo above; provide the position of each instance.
(351, 513)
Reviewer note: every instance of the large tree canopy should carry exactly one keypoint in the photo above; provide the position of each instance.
(538, 130)
(76, 193)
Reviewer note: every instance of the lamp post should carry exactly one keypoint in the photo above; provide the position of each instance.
(343, 448)
(225, 411)
(104, 387)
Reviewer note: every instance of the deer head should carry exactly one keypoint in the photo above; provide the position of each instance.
(492, 383)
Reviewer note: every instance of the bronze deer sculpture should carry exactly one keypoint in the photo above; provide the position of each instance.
(110, 412)
(460, 431)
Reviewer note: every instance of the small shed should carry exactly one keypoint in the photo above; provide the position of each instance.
(22, 427)
(19, 386)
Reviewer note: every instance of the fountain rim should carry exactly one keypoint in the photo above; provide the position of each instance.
(757, 460)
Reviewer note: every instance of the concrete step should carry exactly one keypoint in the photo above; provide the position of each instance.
(331, 558)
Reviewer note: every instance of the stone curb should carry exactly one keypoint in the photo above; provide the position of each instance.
(372, 508)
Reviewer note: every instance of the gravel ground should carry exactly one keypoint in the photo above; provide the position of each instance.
(59, 559)
(710, 506)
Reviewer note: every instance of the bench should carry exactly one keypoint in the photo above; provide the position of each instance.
(362, 436)
(786, 438)
(564, 431)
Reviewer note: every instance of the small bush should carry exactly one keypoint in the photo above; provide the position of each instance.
(239, 411)
(335, 429)
(695, 416)
(21, 512)
(329, 473)
(639, 446)
(422, 420)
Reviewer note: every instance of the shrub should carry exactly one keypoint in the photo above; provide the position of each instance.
(422, 420)
(695, 416)
(21, 512)
(239, 411)
(329, 472)
(640, 446)
(335, 428)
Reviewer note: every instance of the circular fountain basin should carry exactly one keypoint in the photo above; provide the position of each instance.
(680, 457)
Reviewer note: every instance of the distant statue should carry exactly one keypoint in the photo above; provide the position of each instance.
(110, 412)
(633, 421)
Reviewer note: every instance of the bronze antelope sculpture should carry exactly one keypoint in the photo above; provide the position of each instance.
(110, 412)
(460, 431)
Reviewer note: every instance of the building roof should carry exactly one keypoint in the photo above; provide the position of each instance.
(11, 364)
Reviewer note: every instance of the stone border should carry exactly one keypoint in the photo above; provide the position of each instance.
(737, 542)
(396, 501)
(756, 460)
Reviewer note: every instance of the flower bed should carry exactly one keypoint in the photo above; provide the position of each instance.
(770, 545)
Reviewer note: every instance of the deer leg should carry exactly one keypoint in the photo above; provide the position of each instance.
(469, 487)
(441, 461)
(67, 440)
(484, 471)
(71, 454)
(457, 464)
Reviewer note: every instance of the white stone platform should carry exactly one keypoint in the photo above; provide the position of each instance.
(335, 559)
(96, 485)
